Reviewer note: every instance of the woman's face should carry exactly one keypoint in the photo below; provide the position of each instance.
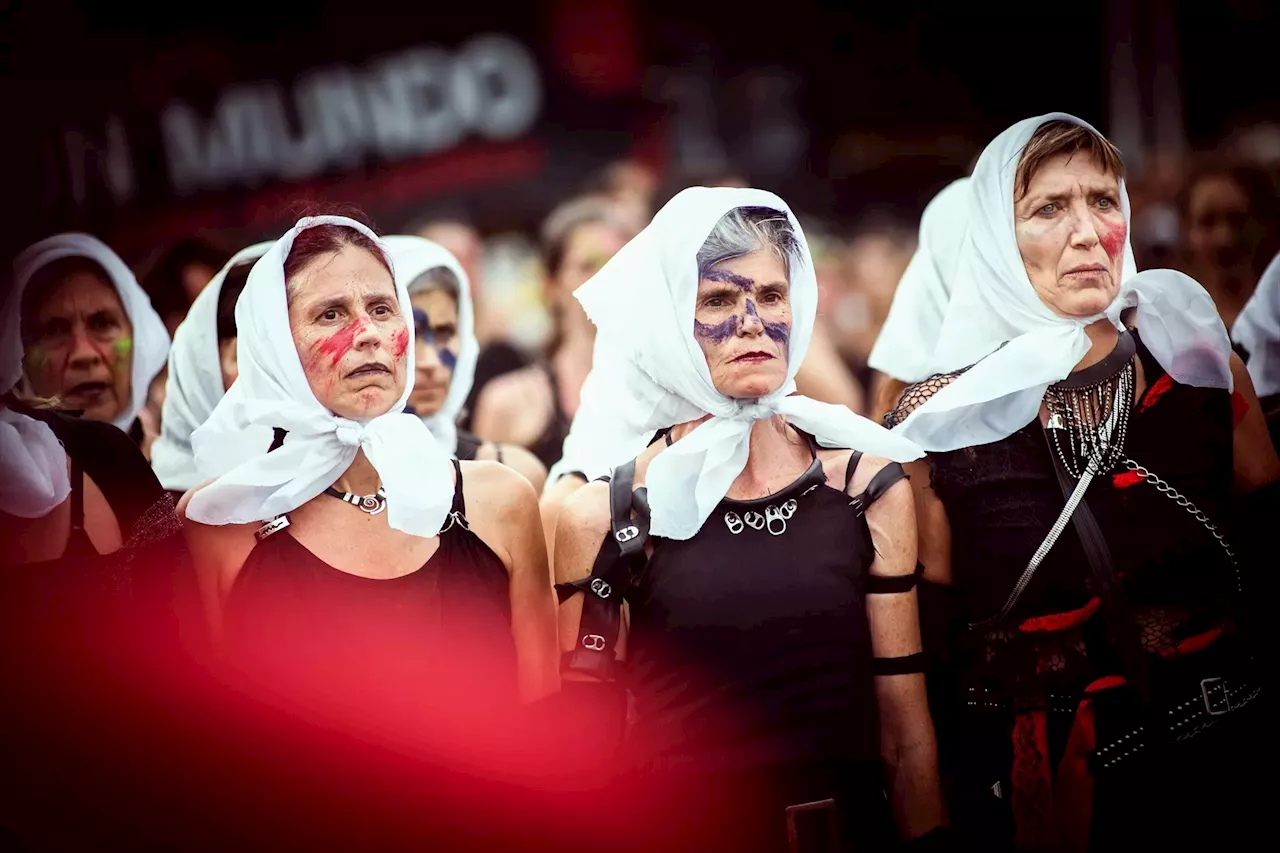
(742, 321)
(81, 349)
(587, 248)
(1218, 219)
(349, 332)
(1071, 234)
(435, 324)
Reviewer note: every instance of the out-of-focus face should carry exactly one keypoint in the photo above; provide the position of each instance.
(1071, 235)
(1218, 219)
(81, 349)
(350, 334)
(587, 248)
(464, 243)
(742, 321)
(194, 279)
(435, 325)
(227, 361)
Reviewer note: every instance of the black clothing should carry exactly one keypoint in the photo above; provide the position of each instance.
(750, 665)
(549, 446)
(424, 637)
(1014, 689)
(469, 445)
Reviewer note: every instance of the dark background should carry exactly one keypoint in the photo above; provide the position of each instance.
(883, 103)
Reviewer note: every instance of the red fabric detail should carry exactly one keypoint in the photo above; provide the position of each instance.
(1155, 392)
(1191, 645)
(1061, 621)
(1239, 408)
(1126, 479)
(1107, 682)
(1073, 785)
(1032, 796)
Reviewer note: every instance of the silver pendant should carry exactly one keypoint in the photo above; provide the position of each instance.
(754, 520)
(372, 504)
(776, 522)
(733, 522)
(1055, 422)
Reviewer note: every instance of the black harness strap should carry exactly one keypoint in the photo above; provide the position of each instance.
(605, 588)
(884, 479)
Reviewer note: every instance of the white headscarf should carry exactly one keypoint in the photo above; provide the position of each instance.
(905, 344)
(412, 256)
(1020, 346)
(1257, 329)
(33, 465)
(642, 302)
(194, 385)
(150, 337)
(272, 391)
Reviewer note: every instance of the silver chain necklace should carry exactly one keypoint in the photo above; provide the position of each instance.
(1079, 417)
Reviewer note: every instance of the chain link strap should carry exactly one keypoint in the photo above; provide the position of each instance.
(1181, 500)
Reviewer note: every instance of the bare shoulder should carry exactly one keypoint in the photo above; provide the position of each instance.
(836, 466)
(494, 489)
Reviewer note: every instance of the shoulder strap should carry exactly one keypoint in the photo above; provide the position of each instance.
(884, 479)
(459, 500)
(77, 493)
(854, 458)
(605, 588)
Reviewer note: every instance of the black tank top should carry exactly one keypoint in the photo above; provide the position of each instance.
(443, 628)
(748, 643)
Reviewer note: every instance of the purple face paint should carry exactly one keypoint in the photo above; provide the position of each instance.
(780, 332)
(718, 333)
(751, 309)
(422, 326)
(447, 358)
(739, 281)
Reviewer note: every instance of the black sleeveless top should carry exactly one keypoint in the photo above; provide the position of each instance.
(748, 644)
(442, 629)
(549, 446)
(469, 445)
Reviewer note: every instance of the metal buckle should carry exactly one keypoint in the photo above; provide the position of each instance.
(601, 587)
(1208, 684)
(626, 534)
(594, 642)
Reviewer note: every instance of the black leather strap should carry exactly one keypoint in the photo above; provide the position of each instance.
(884, 479)
(891, 584)
(605, 588)
(904, 665)
(1121, 628)
(854, 458)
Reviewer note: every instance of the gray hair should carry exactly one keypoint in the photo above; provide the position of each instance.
(744, 230)
(437, 278)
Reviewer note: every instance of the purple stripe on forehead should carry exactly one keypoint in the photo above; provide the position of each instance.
(739, 281)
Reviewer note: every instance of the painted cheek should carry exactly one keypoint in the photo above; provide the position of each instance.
(447, 358)
(717, 333)
(337, 345)
(778, 332)
(1113, 239)
(400, 343)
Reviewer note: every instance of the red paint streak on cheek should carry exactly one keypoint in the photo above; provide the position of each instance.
(1113, 240)
(400, 343)
(337, 345)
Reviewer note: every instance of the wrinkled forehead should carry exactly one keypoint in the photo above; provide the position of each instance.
(349, 274)
(69, 284)
(1070, 172)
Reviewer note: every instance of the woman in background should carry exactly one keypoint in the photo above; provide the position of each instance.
(446, 352)
(90, 336)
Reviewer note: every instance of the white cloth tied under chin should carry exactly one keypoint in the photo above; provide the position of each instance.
(1017, 346)
(272, 391)
(651, 373)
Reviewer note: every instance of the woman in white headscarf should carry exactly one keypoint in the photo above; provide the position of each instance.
(744, 552)
(446, 351)
(903, 348)
(90, 336)
(1080, 394)
(341, 550)
(202, 366)
(1257, 331)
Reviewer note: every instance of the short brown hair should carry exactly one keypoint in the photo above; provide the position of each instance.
(1063, 137)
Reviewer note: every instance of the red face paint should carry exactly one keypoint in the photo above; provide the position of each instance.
(337, 345)
(400, 343)
(1113, 239)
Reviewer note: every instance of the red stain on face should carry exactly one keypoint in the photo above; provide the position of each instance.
(337, 345)
(1112, 239)
(400, 343)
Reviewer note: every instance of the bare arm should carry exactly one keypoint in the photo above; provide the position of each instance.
(551, 504)
(218, 553)
(907, 742)
(580, 531)
(1256, 463)
(886, 391)
(504, 514)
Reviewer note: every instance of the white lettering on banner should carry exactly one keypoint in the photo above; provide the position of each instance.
(111, 161)
(419, 101)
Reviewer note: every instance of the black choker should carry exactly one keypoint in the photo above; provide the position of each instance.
(372, 504)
